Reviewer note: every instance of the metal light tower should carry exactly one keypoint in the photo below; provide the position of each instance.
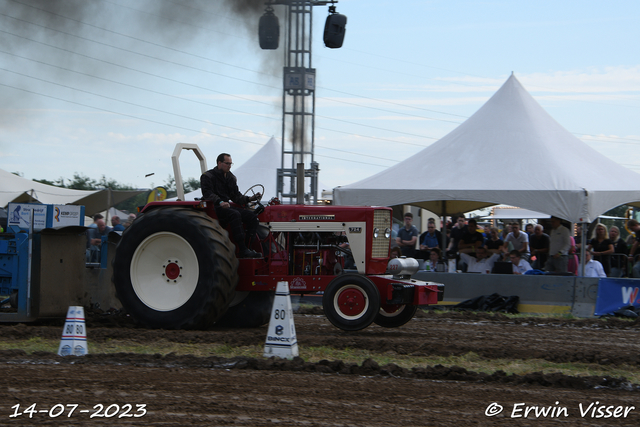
(298, 94)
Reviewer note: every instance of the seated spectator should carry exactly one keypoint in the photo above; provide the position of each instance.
(518, 240)
(430, 239)
(408, 236)
(115, 222)
(434, 260)
(539, 245)
(395, 252)
(481, 263)
(592, 268)
(619, 257)
(94, 240)
(494, 243)
(520, 266)
(601, 247)
(471, 239)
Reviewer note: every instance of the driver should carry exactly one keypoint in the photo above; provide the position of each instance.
(220, 186)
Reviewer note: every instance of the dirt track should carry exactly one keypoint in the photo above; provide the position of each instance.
(212, 391)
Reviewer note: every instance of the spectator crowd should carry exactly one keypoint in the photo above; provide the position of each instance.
(548, 247)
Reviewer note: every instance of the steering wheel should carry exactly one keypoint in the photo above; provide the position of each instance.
(255, 204)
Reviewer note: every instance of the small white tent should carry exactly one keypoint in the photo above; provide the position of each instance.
(261, 168)
(484, 162)
(21, 190)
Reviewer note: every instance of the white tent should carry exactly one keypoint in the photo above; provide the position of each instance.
(20, 190)
(511, 151)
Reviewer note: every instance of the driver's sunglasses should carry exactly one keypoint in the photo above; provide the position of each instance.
(227, 163)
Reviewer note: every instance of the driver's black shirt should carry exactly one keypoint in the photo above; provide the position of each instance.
(217, 187)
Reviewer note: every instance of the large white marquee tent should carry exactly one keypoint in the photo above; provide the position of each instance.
(511, 151)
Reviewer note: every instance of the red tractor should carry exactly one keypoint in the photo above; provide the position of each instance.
(175, 266)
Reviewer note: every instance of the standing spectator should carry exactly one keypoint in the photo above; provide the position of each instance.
(520, 266)
(115, 221)
(471, 239)
(601, 247)
(573, 262)
(539, 244)
(481, 263)
(519, 241)
(528, 229)
(408, 236)
(619, 257)
(635, 248)
(130, 220)
(456, 234)
(593, 268)
(505, 231)
(578, 238)
(620, 252)
(96, 217)
(559, 245)
(94, 240)
(494, 243)
(486, 232)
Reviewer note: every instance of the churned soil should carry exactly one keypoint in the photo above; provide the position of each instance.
(189, 390)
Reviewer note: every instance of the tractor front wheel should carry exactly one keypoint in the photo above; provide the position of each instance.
(175, 268)
(393, 316)
(351, 302)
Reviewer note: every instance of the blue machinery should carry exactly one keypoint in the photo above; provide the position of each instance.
(41, 268)
(14, 274)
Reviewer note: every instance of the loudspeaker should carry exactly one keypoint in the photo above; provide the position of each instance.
(269, 30)
(334, 29)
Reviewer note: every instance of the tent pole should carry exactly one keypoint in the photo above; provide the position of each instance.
(443, 226)
(583, 246)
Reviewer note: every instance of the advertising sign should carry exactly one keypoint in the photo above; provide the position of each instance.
(23, 216)
(65, 215)
(613, 294)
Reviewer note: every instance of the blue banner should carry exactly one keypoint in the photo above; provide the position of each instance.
(614, 294)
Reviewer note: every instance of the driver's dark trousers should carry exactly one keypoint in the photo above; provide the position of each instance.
(234, 217)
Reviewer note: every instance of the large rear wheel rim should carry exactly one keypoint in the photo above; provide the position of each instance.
(351, 302)
(164, 271)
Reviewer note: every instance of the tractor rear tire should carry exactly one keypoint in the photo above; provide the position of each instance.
(351, 302)
(175, 268)
(252, 310)
(397, 315)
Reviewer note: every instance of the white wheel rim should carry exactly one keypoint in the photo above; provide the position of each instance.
(164, 271)
(338, 299)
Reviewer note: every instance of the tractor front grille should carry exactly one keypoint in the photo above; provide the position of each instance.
(381, 221)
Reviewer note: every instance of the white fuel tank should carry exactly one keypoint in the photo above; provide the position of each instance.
(403, 266)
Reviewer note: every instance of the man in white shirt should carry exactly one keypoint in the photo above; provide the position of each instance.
(592, 268)
(519, 241)
(520, 266)
(481, 263)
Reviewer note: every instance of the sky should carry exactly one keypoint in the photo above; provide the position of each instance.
(108, 87)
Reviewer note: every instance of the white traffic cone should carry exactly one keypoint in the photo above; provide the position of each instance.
(74, 334)
(281, 338)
